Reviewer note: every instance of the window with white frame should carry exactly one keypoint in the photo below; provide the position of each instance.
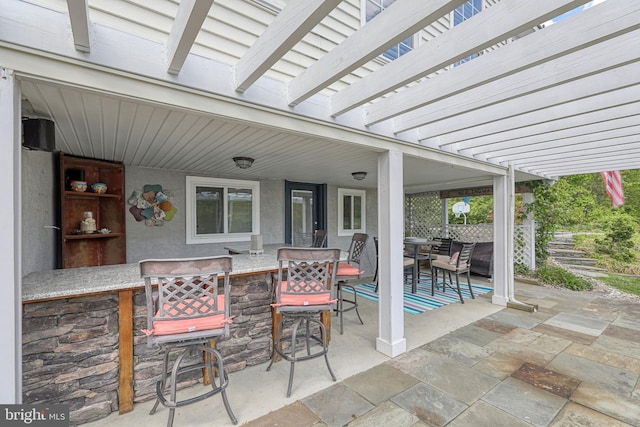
(371, 9)
(221, 210)
(351, 211)
(461, 14)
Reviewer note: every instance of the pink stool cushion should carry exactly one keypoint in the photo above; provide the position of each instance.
(346, 269)
(322, 298)
(180, 326)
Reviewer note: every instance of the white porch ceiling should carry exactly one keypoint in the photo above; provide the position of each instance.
(561, 100)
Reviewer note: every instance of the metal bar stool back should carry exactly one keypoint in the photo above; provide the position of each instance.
(302, 290)
(349, 270)
(187, 311)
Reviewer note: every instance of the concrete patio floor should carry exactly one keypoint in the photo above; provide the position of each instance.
(575, 362)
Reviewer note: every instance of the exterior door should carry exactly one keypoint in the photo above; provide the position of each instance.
(305, 211)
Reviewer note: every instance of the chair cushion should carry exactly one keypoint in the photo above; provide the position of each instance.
(408, 262)
(346, 269)
(445, 258)
(180, 326)
(444, 265)
(303, 299)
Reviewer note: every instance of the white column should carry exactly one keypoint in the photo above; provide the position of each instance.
(391, 340)
(445, 218)
(530, 224)
(502, 244)
(10, 250)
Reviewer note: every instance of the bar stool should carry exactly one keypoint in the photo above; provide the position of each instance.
(301, 292)
(186, 312)
(348, 271)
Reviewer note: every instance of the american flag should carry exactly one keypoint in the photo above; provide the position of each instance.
(613, 184)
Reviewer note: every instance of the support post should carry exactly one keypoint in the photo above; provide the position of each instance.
(391, 340)
(10, 225)
(502, 274)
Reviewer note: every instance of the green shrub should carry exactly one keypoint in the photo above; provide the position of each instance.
(618, 240)
(561, 277)
(522, 270)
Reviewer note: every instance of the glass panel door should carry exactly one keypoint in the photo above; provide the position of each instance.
(301, 217)
(305, 212)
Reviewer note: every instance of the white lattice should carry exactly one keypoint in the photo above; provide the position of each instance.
(423, 218)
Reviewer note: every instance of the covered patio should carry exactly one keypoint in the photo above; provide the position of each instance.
(182, 88)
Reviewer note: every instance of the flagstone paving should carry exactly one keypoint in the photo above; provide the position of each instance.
(574, 363)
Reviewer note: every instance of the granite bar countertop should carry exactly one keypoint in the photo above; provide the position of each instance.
(53, 284)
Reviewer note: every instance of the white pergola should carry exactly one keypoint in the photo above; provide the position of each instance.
(539, 102)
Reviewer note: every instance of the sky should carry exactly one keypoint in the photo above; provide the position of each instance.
(573, 12)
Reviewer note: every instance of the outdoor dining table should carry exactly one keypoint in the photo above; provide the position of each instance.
(414, 253)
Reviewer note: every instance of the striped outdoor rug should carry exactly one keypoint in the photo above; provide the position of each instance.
(422, 300)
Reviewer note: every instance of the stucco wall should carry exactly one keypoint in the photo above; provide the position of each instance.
(169, 240)
(39, 207)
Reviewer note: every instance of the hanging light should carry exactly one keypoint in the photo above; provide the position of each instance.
(359, 176)
(243, 162)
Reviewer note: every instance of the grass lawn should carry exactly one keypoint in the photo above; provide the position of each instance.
(628, 284)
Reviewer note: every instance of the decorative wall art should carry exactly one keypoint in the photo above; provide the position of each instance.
(152, 204)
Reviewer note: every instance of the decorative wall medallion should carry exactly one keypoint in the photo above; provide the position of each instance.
(152, 204)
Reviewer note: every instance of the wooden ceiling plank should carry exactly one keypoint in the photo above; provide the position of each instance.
(189, 19)
(290, 25)
(497, 23)
(79, 18)
(400, 20)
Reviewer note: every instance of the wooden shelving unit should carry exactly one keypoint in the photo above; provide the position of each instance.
(86, 250)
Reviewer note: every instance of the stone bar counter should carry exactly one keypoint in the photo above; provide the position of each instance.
(82, 339)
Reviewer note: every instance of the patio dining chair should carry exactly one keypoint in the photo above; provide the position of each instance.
(440, 252)
(350, 270)
(319, 239)
(186, 312)
(302, 291)
(459, 263)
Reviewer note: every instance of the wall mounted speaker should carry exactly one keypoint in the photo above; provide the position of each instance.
(39, 134)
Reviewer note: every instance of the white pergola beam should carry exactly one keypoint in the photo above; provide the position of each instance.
(576, 135)
(596, 120)
(581, 30)
(620, 148)
(560, 150)
(189, 19)
(547, 76)
(79, 18)
(402, 19)
(623, 77)
(497, 23)
(517, 127)
(294, 21)
(619, 164)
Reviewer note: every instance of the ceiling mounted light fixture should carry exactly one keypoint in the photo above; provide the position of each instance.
(359, 176)
(243, 162)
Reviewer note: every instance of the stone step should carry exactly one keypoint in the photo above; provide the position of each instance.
(565, 237)
(567, 253)
(557, 244)
(575, 261)
(587, 270)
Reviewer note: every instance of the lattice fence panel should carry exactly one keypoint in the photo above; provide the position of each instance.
(423, 218)
(523, 243)
(423, 215)
(471, 232)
